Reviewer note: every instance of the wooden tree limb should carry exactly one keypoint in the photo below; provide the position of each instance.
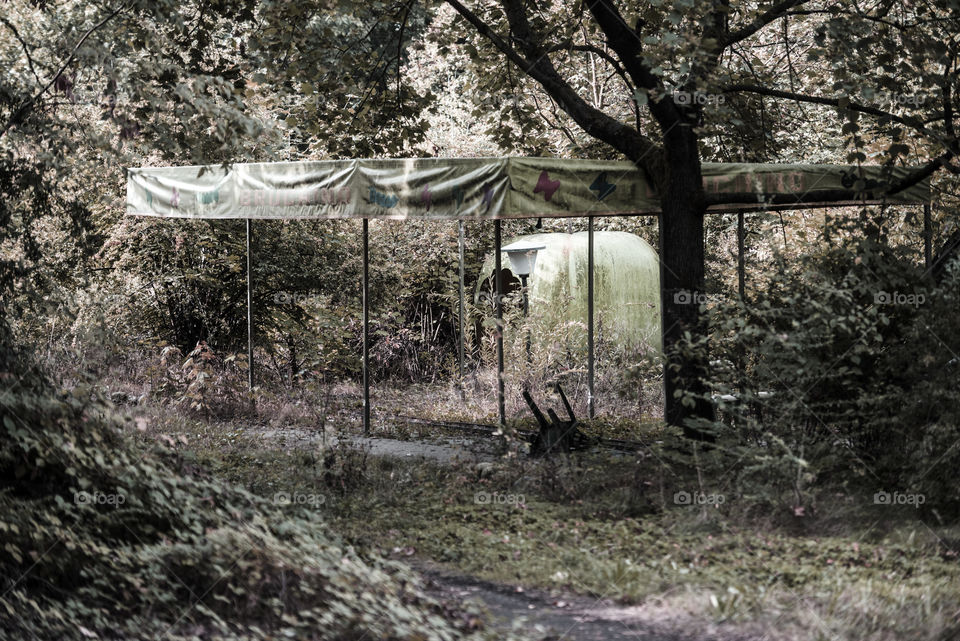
(541, 419)
(775, 12)
(605, 55)
(26, 49)
(832, 102)
(626, 42)
(566, 403)
(534, 61)
(21, 113)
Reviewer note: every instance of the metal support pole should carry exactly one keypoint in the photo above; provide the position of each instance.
(366, 327)
(741, 271)
(526, 313)
(462, 244)
(249, 308)
(498, 294)
(590, 406)
(741, 287)
(927, 237)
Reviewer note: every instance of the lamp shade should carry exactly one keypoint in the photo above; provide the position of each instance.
(523, 256)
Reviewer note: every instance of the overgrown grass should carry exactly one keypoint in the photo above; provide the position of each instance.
(609, 526)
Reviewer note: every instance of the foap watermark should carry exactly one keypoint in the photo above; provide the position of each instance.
(689, 297)
(699, 99)
(898, 298)
(288, 298)
(499, 498)
(493, 101)
(698, 498)
(893, 98)
(299, 498)
(899, 498)
(490, 299)
(99, 498)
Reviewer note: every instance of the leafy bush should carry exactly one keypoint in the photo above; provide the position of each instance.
(847, 361)
(100, 540)
(203, 383)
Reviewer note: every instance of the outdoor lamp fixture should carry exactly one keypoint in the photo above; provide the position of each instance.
(523, 259)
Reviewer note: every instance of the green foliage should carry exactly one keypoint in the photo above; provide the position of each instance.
(203, 383)
(31, 218)
(340, 64)
(843, 367)
(716, 563)
(140, 71)
(414, 298)
(173, 82)
(101, 540)
(180, 282)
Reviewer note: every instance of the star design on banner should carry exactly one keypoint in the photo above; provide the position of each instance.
(547, 186)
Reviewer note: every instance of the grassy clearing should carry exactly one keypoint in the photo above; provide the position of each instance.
(609, 526)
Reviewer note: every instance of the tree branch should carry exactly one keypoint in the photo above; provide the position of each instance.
(21, 112)
(627, 44)
(534, 62)
(717, 25)
(776, 11)
(567, 45)
(833, 102)
(26, 49)
(403, 26)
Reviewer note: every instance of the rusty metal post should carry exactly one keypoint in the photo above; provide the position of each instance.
(741, 270)
(462, 243)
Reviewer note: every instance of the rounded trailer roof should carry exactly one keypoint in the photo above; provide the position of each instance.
(626, 285)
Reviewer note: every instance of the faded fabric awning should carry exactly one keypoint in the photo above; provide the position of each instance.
(476, 188)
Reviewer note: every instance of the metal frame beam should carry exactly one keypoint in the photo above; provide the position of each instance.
(461, 245)
(741, 269)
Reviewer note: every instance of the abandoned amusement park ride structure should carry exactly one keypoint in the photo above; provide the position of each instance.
(487, 189)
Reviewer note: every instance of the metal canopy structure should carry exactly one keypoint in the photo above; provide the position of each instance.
(480, 189)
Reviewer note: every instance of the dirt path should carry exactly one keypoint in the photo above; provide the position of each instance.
(541, 615)
(441, 450)
(549, 617)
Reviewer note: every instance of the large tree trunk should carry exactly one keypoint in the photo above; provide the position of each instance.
(682, 276)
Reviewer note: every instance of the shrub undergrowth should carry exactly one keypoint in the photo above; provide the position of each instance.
(104, 540)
